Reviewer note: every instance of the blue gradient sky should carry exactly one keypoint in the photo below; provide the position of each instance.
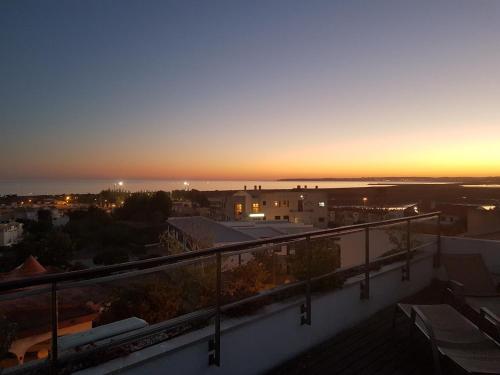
(254, 89)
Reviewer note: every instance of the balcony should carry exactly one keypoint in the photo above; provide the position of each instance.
(304, 316)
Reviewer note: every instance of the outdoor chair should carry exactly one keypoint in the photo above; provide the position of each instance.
(472, 284)
(453, 336)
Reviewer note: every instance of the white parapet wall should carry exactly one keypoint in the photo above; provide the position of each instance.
(257, 343)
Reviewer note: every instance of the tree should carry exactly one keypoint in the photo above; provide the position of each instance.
(52, 249)
(111, 256)
(244, 281)
(399, 241)
(87, 227)
(195, 196)
(154, 301)
(324, 258)
(149, 207)
(116, 196)
(45, 219)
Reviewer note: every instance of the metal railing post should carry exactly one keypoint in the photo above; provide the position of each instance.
(365, 286)
(406, 275)
(306, 309)
(273, 266)
(437, 261)
(214, 344)
(54, 328)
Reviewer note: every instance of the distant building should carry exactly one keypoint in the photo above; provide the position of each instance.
(59, 218)
(10, 233)
(299, 206)
(483, 222)
(268, 229)
(196, 233)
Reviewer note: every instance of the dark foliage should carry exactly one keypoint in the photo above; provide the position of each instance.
(195, 196)
(146, 207)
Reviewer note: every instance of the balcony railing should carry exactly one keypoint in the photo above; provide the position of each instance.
(54, 283)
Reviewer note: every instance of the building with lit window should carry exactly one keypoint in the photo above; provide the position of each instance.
(304, 206)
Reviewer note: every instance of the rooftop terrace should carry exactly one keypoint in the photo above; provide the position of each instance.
(324, 304)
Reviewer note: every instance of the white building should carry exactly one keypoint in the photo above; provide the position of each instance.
(10, 233)
(305, 206)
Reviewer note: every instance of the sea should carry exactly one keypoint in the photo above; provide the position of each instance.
(67, 186)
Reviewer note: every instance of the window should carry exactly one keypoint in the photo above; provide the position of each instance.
(263, 203)
(321, 204)
(255, 207)
(277, 218)
(300, 204)
(321, 219)
(238, 209)
(276, 204)
(286, 217)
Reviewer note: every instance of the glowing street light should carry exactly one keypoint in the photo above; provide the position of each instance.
(120, 183)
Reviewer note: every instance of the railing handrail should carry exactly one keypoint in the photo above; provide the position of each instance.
(170, 259)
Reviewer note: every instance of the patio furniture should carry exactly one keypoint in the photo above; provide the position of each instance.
(472, 284)
(454, 336)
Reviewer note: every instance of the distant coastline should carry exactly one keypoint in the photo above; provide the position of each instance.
(65, 186)
(391, 180)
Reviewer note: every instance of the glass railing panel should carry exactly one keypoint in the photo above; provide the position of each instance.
(25, 328)
(130, 311)
(424, 233)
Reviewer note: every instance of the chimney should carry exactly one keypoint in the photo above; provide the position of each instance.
(316, 186)
(255, 187)
(245, 187)
(260, 187)
(298, 186)
(305, 186)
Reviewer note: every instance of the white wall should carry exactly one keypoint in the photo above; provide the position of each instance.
(352, 246)
(10, 233)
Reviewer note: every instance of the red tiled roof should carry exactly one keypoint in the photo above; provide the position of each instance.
(30, 267)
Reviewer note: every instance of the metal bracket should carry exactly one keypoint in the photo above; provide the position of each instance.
(404, 274)
(212, 359)
(303, 315)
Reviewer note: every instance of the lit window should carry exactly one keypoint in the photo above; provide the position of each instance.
(276, 203)
(277, 218)
(255, 207)
(321, 204)
(238, 209)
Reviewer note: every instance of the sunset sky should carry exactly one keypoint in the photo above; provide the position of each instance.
(249, 89)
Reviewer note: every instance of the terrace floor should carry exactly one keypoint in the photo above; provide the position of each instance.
(373, 347)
